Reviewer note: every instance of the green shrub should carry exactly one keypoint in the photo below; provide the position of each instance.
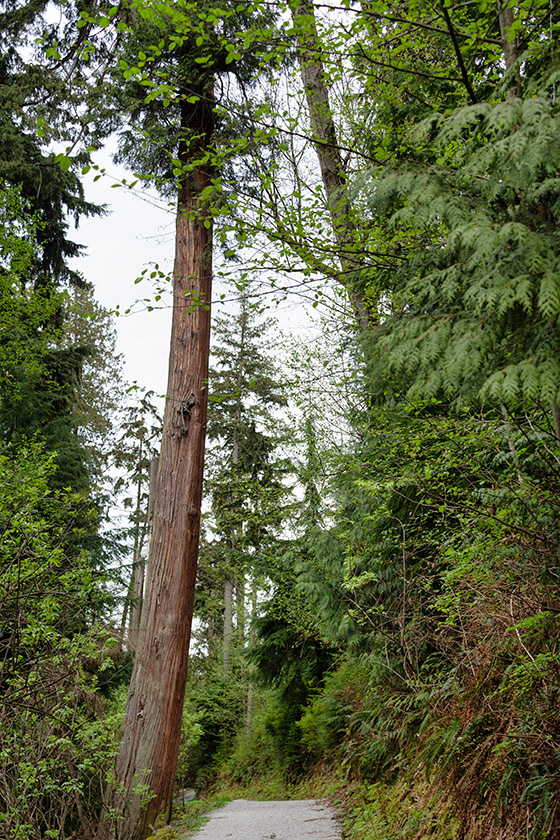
(324, 723)
(397, 812)
(272, 749)
(56, 739)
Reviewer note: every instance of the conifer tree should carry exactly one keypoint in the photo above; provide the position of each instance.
(248, 496)
(31, 96)
(196, 48)
(52, 591)
(470, 211)
(245, 471)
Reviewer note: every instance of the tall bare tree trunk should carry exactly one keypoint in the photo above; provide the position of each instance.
(250, 686)
(556, 419)
(134, 575)
(154, 467)
(138, 597)
(142, 790)
(139, 571)
(228, 621)
(509, 46)
(326, 145)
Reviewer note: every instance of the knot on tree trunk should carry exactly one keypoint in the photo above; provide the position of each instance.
(184, 411)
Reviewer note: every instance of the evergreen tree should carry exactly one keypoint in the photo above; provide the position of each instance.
(55, 651)
(54, 599)
(43, 72)
(440, 466)
(246, 487)
(41, 378)
(136, 457)
(465, 204)
(43, 398)
(244, 470)
(192, 47)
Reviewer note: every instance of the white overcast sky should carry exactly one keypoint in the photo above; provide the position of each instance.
(134, 235)
(137, 233)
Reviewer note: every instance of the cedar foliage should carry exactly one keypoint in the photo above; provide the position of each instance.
(432, 570)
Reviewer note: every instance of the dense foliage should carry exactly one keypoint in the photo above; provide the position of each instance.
(54, 653)
(428, 580)
(378, 578)
(58, 653)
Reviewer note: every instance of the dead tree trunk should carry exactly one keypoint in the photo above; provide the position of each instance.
(142, 791)
(137, 565)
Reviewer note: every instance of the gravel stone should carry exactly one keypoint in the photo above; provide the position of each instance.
(244, 819)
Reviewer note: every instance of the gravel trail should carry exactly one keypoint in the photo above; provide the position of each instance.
(297, 819)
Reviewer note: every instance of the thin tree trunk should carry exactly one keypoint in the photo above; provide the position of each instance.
(250, 686)
(240, 613)
(142, 792)
(326, 145)
(228, 622)
(240, 605)
(556, 419)
(130, 595)
(154, 466)
(125, 617)
(138, 597)
(139, 571)
(509, 47)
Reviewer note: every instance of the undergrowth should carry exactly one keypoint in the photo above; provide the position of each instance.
(191, 816)
(398, 811)
(366, 811)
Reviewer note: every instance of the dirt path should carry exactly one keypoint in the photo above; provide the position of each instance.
(243, 819)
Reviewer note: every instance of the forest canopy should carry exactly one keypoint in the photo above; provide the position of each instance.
(369, 558)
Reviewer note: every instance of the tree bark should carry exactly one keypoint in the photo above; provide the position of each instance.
(556, 419)
(138, 597)
(228, 622)
(250, 686)
(142, 791)
(509, 47)
(326, 145)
